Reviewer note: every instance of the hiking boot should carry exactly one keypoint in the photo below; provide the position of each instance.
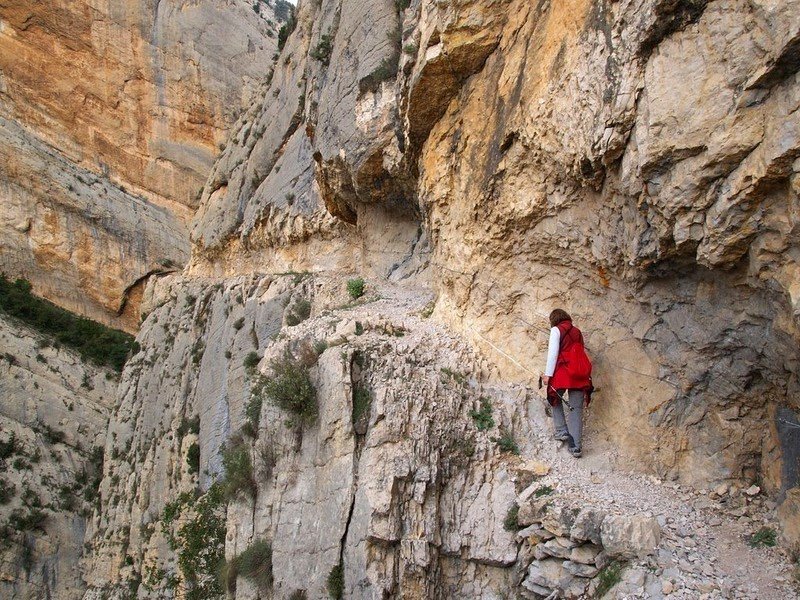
(561, 437)
(576, 452)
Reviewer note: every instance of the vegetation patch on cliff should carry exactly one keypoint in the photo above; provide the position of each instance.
(199, 542)
(290, 388)
(95, 342)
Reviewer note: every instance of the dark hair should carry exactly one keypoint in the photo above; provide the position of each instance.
(557, 316)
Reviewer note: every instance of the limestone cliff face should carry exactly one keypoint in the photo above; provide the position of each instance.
(370, 489)
(110, 117)
(634, 162)
(53, 420)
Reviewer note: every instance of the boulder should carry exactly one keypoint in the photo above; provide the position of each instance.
(633, 536)
(586, 526)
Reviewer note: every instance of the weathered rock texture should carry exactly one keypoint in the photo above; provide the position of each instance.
(110, 117)
(55, 408)
(409, 496)
(634, 162)
(406, 493)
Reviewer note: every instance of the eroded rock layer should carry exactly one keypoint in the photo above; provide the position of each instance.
(635, 162)
(110, 117)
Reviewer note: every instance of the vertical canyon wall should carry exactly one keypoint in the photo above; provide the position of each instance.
(110, 117)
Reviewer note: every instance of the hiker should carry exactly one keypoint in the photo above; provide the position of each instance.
(567, 377)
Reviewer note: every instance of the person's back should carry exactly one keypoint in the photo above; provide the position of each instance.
(567, 376)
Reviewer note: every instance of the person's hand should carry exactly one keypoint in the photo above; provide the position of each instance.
(545, 380)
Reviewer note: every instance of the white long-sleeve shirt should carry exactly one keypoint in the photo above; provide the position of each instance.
(552, 351)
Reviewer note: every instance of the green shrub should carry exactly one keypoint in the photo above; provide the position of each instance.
(506, 442)
(290, 388)
(238, 323)
(298, 595)
(545, 490)
(285, 31)
(320, 346)
(21, 464)
(251, 361)
(193, 458)
(35, 518)
(198, 349)
(252, 411)
(53, 436)
(511, 522)
(459, 378)
(765, 536)
(238, 465)
(255, 563)
(385, 71)
(322, 52)
(189, 426)
(8, 447)
(199, 542)
(610, 576)
(355, 287)
(483, 417)
(7, 491)
(336, 582)
(361, 402)
(94, 342)
(298, 313)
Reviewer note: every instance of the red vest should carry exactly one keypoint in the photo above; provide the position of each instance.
(573, 368)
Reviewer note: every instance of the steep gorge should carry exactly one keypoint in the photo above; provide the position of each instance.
(479, 162)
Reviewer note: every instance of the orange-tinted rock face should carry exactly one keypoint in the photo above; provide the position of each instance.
(129, 101)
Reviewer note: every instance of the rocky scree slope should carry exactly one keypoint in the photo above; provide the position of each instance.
(633, 161)
(412, 476)
(111, 115)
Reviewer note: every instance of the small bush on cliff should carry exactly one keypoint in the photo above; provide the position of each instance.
(7, 491)
(511, 522)
(483, 417)
(290, 388)
(255, 563)
(193, 458)
(322, 52)
(506, 442)
(355, 287)
(252, 411)
(199, 541)
(251, 361)
(34, 518)
(8, 447)
(298, 313)
(336, 582)
(286, 30)
(238, 467)
(95, 342)
(361, 401)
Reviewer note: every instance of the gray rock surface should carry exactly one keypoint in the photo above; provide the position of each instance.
(54, 408)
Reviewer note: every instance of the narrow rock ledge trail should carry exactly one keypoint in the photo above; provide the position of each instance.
(704, 551)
